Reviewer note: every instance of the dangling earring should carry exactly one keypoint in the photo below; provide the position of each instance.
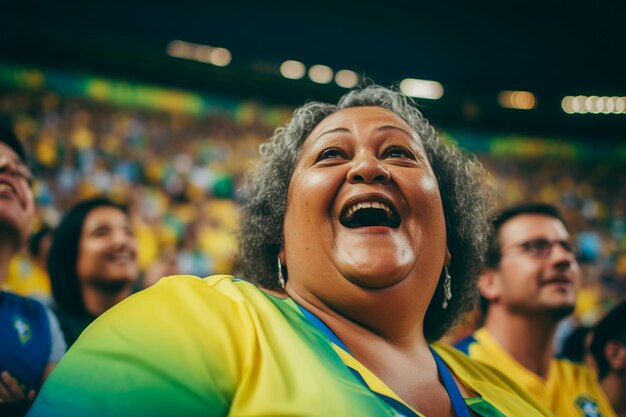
(447, 289)
(281, 279)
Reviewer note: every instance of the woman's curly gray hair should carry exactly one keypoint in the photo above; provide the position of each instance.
(466, 202)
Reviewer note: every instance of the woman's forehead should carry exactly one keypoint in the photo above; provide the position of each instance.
(6, 150)
(353, 120)
(105, 213)
(353, 117)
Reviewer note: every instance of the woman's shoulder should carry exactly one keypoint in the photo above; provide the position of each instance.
(179, 313)
(180, 282)
(182, 341)
(462, 364)
(490, 383)
(185, 303)
(179, 291)
(465, 368)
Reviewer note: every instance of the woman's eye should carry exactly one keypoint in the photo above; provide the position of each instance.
(331, 153)
(398, 152)
(100, 231)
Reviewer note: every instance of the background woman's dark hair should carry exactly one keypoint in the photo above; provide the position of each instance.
(34, 241)
(466, 201)
(8, 137)
(63, 255)
(611, 328)
(574, 347)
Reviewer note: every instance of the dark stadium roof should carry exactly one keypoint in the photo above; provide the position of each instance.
(474, 49)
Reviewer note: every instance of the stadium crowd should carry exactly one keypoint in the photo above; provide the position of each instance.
(179, 177)
(179, 174)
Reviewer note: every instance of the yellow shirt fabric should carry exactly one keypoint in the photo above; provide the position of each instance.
(26, 278)
(220, 346)
(570, 390)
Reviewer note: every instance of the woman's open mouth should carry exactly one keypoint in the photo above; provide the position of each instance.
(369, 213)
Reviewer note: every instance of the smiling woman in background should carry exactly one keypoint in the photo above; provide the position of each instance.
(92, 263)
(364, 235)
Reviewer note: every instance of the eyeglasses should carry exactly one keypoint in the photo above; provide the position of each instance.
(16, 169)
(542, 248)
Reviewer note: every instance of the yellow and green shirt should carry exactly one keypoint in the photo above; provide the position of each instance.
(570, 390)
(220, 346)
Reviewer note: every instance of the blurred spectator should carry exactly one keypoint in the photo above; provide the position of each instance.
(608, 348)
(92, 263)
(28, 274)
(32, 342)
(530, 282)
(191, 260)
(39, 246)
(165, 266)
(576, 345)
(89, 148)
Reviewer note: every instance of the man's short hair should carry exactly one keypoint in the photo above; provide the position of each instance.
(611, 328)
(8, 137)
(493, 249)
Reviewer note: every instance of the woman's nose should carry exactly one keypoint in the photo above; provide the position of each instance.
(122, 238)
(368, 169)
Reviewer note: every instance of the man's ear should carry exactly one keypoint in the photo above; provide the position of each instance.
(282, 256)
(448, 257)
(489, 284)
(615, 353)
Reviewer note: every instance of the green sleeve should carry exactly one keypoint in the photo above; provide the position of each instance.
(167, 351)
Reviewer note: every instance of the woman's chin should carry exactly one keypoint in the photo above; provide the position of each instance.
(375, 268)
(375, 278)
(123, 278)
(126, 273)
(111, 284)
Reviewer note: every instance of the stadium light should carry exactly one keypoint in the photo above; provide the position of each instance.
(594, 105)
(321, 74)
(421, 88)
(520, 100)
(346, 78)
(200, 53)
(293, 70)
(221, 57)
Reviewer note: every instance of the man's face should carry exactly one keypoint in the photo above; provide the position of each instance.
(16, 196)
(538, 272)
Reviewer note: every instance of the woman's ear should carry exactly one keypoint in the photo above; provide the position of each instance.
(615, 353)
(282, 256)
(448, 257)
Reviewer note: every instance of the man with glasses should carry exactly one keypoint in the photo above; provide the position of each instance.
(31, 341)
(529, 283)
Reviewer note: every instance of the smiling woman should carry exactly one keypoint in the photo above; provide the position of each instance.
(364, 235)
(92, 263)
(462, 198)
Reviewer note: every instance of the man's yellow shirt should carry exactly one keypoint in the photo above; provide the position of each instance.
(570, 390)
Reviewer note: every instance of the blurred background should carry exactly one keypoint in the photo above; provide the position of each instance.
(163, 106)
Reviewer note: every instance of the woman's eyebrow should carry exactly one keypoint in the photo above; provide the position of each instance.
(345, 130)
(101, 224)
(392, 127)
(338, 129)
